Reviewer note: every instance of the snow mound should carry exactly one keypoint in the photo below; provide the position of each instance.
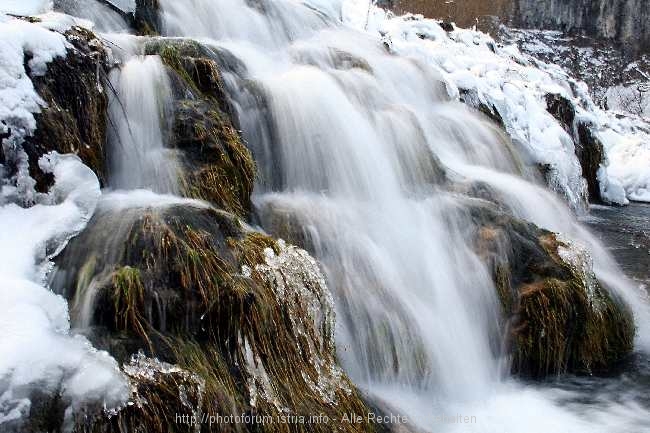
(38, 350)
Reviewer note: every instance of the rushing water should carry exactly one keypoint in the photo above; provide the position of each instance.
(139, 109)
(353, 145)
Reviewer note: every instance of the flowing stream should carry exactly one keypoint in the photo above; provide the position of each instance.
(353, 146)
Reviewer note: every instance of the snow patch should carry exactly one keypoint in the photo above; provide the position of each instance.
(38, 351)
(25, 7)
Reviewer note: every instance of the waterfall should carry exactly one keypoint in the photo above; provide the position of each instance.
(366, 159)
(352, 144)
(139, 111)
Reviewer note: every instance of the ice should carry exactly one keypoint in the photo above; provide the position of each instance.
(629, 161)
(38, 351)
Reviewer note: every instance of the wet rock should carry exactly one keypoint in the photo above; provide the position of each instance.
(74, 120)
(588, 148)
(217, 165)
(591, 154)
(146, 20)
(559, 317)
(164, 397)
(192, 286)
(562, 109)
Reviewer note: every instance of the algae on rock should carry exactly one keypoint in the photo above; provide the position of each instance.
(196, 288)
(559, 317)
(75, 118)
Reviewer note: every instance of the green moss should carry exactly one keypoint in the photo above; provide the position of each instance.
(128, 300)
(556, 320)
(565, 326)
(223, 391)
(177, 291)
(250, 250)
(171, 56)
(220, 168)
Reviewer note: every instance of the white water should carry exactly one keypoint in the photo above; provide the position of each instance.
(348, 154)
(351, 154)
(139, 114)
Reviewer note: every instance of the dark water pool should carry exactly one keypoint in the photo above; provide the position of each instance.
(626, 233)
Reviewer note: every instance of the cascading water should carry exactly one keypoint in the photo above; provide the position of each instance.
(352, 144)
(359, 149)
(142, 169)
(138, 111)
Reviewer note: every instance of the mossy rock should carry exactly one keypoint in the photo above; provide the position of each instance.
(146, 19)
(199, 65)
(75, 118)
(559, 317)
(218, 167)
(588, 147)
(194, 287)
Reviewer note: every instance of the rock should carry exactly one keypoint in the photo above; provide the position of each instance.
(192, 286)
(591, 154)
(446, 26)
(559, 317)
(217, 165)
(470, 97)
(75, 119)
(146, 20)
(588, 148)
(562, 109)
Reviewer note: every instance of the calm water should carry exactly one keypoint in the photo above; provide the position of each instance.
(626, 233)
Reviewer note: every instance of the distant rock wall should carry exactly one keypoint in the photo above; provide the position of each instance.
(625, 21)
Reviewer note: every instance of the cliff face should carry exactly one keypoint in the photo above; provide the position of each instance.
(626, 21)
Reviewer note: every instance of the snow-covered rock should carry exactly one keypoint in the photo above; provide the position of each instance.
(516, 85)
(39, 354)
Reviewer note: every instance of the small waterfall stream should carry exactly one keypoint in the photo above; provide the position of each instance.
(139, 111)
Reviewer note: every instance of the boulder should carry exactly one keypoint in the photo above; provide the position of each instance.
(558, 317)
(75, 119)
(247, 317)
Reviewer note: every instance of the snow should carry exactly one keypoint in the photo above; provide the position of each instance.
(18, 99)
(516, 85)
(39, 352)
(25, 7)
(37, 348)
